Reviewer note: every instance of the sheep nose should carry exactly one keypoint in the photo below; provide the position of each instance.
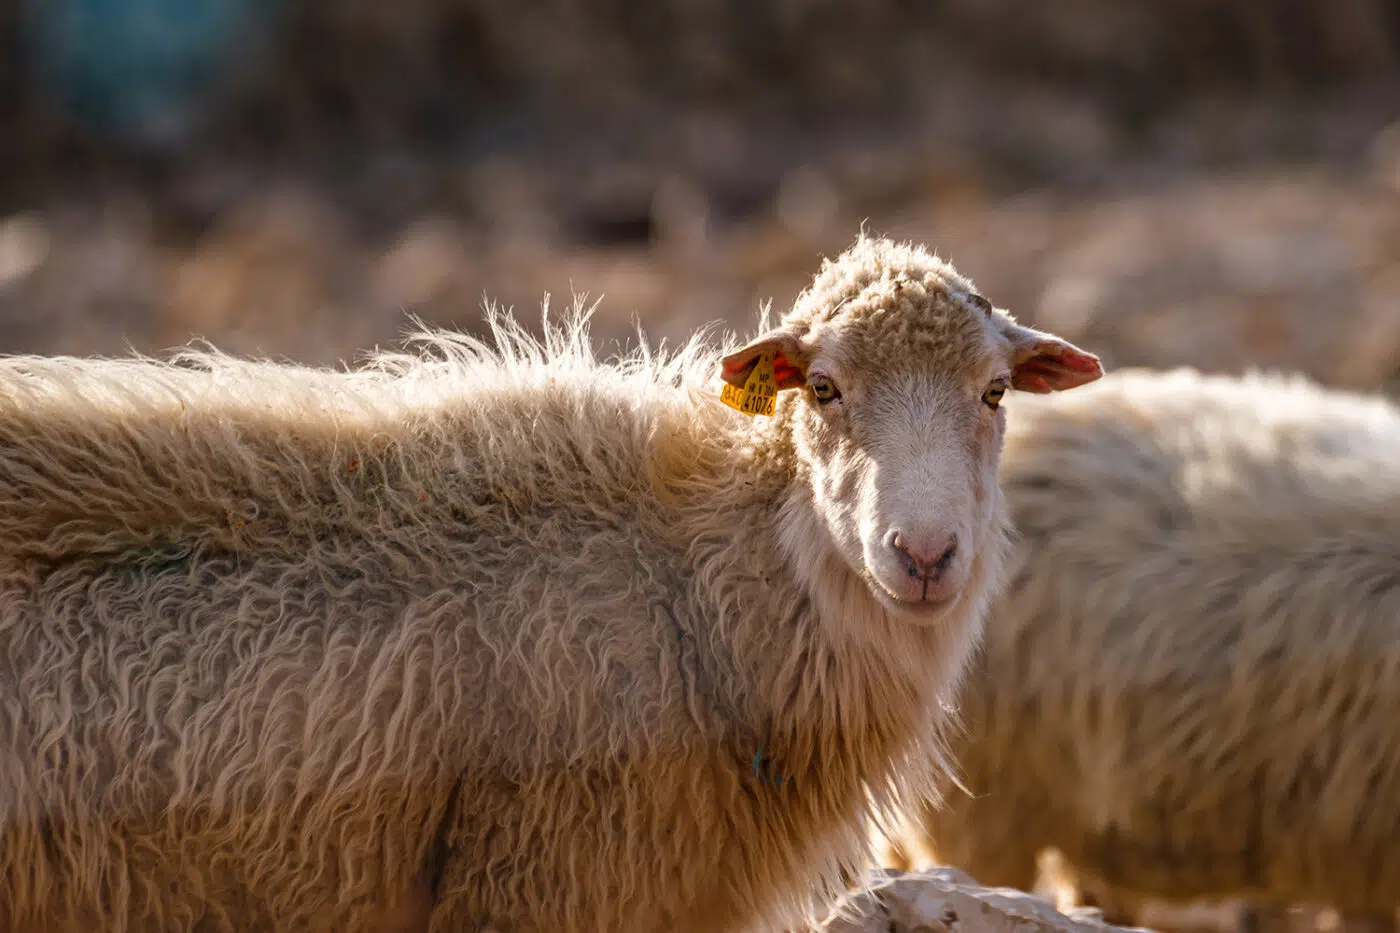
(924, 558)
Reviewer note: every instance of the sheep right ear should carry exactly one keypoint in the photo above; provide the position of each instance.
(789, 360)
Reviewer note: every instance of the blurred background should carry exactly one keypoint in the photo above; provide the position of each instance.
(1206, 182)
(1161, 181)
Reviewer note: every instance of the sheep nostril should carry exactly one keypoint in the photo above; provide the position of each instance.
(947, 557)
(924, 562)
(911, 564)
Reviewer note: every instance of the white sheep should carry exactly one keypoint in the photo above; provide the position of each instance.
(504, 638)
(1190, 683)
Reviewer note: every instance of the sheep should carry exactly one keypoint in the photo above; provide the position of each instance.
(1187, 686)
(502, 638)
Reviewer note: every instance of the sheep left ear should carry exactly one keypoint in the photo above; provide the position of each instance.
(1042, 362)
(789, 360)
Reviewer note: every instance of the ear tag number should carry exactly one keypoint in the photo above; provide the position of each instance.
(759, 396)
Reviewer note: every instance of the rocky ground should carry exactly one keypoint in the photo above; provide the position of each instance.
(944, 900)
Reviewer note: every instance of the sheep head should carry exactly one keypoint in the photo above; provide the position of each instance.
(891, 368)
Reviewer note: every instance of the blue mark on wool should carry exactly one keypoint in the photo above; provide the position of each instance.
(757, 758)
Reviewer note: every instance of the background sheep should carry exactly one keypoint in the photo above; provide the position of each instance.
(514, 632)
(1189, 685)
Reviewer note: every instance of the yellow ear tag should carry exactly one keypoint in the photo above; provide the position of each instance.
(759, 396)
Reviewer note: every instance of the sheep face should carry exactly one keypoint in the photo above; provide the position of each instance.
(894, 369)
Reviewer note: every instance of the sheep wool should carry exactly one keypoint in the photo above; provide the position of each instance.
(496, 637)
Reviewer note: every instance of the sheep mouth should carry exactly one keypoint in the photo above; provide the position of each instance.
(926, 608)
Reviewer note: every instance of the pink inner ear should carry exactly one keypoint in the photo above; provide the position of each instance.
(735, 369)
(1053, 366)
(786, 375)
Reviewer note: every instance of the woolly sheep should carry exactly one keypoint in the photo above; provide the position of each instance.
(1189, 685)
(529, 641)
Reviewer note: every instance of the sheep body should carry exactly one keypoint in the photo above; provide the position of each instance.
(524, 639)
(1186, 686)
(290, 521)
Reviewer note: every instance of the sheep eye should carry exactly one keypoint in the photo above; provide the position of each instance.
(824, 389)
(992, 397)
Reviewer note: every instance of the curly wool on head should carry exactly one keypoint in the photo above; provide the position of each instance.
(487, 636)
(1187, 686)
(902, 298)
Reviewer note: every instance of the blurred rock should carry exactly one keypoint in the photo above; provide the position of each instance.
(806, 203)
(944, 900)
(81, 280)
(268, 280)
(1385, 157)
(24, 243)
(427, 271)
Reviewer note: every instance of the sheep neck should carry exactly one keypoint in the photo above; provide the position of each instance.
(799, 653)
